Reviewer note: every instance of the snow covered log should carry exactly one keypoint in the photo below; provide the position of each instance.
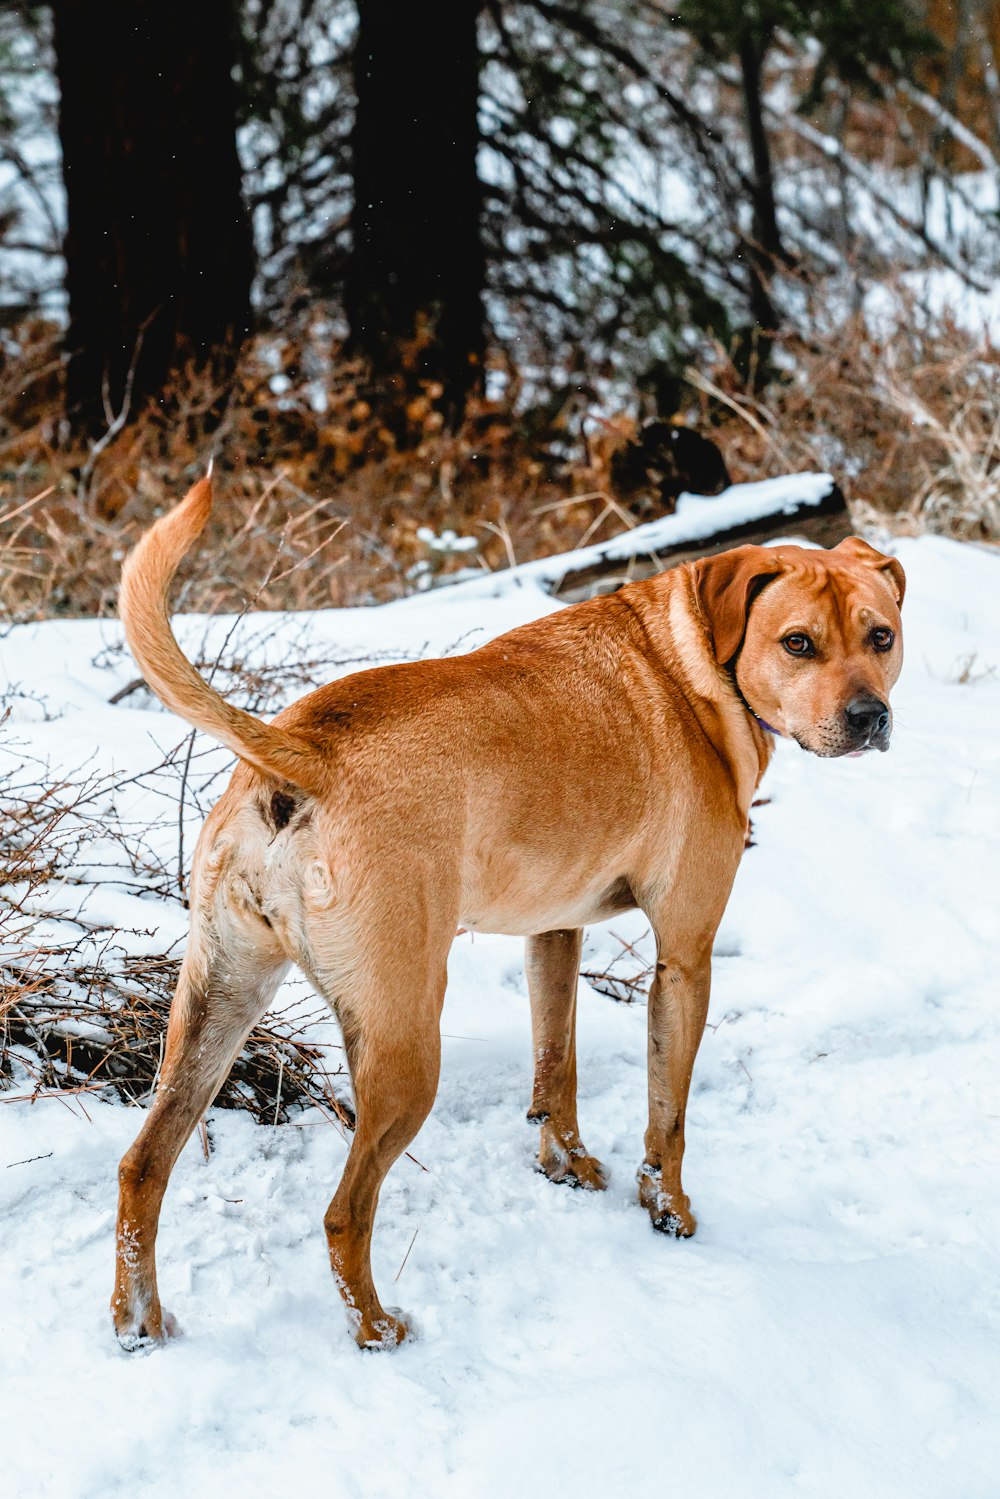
(807, 505)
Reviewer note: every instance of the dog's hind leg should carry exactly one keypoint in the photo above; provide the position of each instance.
(390, 1017)
(229, 976)
(553, 968)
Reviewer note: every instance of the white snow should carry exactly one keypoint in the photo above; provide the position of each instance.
(834, 1328)
(934, 295)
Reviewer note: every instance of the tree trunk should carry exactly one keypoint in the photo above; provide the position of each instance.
(159, 256)
(764, 248)
(765, 217)
(417, 269)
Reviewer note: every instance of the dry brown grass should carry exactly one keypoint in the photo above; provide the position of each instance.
(363, 502)
(908, 423)
(321, 503)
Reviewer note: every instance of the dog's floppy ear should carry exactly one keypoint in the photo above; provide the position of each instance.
(862, 552)
(725, 586)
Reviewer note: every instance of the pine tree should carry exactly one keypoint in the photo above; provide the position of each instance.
(158, 249)
(416, 272)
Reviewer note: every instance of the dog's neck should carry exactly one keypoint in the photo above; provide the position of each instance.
(668, 610)
(731, 669)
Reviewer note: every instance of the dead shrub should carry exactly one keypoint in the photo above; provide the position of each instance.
(83, 1008)
(322, 503)
(907, 419)
(308, 473)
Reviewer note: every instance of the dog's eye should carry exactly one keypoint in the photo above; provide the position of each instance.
(882, 639)
(798, 645)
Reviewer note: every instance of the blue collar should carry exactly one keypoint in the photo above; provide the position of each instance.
(731, 669)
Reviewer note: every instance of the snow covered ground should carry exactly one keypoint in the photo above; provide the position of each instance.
(833, 1329)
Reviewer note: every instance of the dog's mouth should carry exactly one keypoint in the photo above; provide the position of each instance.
(878, 741)
(834, 747)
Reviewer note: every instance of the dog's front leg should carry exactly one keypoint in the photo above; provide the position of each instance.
(552, 961)
(678, 1005)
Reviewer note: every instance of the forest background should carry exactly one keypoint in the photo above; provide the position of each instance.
(437, 285)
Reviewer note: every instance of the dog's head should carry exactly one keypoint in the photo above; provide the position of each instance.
(813, 638)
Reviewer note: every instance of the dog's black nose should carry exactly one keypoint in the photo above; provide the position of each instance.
(867, 716)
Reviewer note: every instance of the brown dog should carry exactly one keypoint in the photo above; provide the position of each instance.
(602, 758)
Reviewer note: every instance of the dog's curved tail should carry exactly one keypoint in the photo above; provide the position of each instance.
(142, 605)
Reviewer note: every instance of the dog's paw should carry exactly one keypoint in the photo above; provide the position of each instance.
(670, 1212)
(383, 1332)
(675, 1225)
(141, 1336)
(569, 1164)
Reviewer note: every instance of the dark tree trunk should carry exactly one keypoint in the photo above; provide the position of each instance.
(417, 268)
(765, 217)
(159, 255)
(765, 248)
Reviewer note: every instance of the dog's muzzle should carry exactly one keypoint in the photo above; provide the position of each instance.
(869, 724)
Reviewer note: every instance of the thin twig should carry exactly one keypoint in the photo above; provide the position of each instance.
(406, 1256)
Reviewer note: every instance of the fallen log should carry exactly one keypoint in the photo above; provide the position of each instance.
(808, 506)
